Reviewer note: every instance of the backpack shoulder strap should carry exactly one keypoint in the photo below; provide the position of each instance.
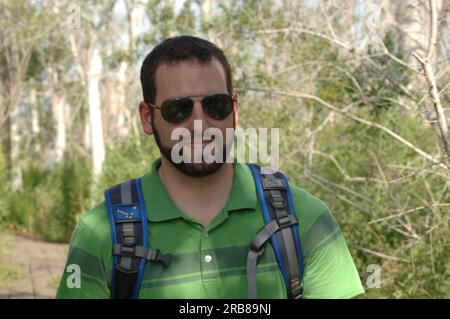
(281, 229)
(129, 233)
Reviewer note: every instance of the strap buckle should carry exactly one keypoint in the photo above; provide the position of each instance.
(277, 200)
(128, 234)
(272, 182)
(154, 255)
(296, 288)
(257, 250)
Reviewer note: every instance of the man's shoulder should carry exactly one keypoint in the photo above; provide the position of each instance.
(308, 208)
(96, 222)
(305, 198)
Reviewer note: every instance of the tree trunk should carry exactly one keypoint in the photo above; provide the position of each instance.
(59, 106)
(34, 105)
(95, 115)
(14, 135)
(14, 86)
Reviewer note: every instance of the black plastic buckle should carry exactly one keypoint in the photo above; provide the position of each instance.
(128, 235)
(271, 182)
(155, 256)
(296, 289)
(164, 259)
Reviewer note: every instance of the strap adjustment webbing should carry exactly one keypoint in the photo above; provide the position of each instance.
(281, 229)
(257, 249)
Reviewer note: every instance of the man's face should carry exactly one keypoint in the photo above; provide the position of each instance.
(188, 78)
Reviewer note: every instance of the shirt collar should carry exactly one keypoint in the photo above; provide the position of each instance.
(160, 206)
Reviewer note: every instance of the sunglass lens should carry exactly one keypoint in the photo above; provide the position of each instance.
(218, 106)
(177, 110)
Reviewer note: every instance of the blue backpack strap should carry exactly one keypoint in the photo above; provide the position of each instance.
(129, 233)
(281, 228)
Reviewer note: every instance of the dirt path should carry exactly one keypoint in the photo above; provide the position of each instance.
(42, 264)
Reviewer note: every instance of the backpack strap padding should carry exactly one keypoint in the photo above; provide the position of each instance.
(296, 239)
(128, 224)
(125, 192)
(276, 203)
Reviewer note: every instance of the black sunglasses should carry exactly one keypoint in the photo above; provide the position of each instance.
(177, 109)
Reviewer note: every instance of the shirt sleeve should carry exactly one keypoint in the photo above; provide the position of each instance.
(84, 274)
(329, 270)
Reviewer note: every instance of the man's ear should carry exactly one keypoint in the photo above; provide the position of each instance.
(235, 108)
(146, 117)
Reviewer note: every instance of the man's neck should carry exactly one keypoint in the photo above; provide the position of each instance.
(202, 198)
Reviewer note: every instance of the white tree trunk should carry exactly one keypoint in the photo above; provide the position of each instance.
(87, 141)
(58, 107)
(413, 17)
(35, 129)
(95, 115)
(16, 171)
(59, 110)
(124, 113)
(14, 90)
(119, 115)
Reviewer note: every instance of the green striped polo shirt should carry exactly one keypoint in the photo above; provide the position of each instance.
(210, 262)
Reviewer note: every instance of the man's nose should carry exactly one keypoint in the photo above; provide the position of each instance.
(197, 112)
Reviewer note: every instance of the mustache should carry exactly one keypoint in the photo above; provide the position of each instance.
(201, 140)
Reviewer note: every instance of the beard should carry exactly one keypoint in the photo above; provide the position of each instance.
(191, 169)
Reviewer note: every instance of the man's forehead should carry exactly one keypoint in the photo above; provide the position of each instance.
(190, 77)
(182, 65)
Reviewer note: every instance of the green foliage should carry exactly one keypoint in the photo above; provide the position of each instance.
(4, 188)
(7, 272)
(51, 200)
(128, 158)
(421, 268)
(75, 182)
(166, 21)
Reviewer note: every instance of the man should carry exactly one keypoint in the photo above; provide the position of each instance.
(204, 214)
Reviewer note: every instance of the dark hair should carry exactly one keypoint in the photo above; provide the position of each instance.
(176, 49)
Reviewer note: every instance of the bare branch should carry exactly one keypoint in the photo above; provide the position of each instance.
(426, 64)
(413, 210)
(339, 167)
(353, 117)
(304, 31)
(378, 254)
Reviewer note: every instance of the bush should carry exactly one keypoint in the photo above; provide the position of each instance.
(50, 201)
(4, 189)
(76, 183)
(130, 158)
(416, 267)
